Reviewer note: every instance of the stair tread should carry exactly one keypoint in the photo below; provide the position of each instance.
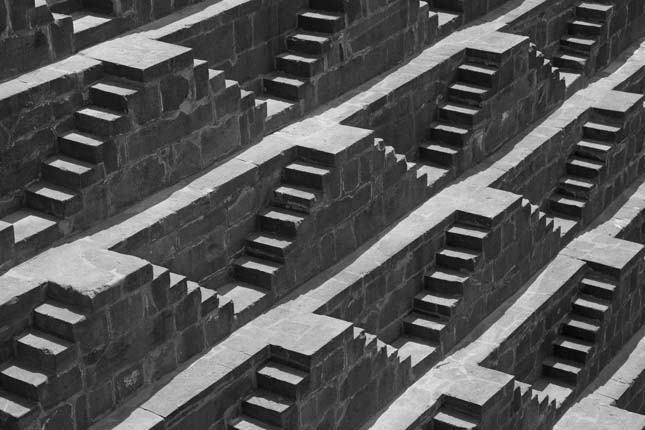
(572, 343)
(600, 284)
(580, 21)
(329, 16)
(456, 107)
(596, 6)
(286, 79)
(270, 240)
(456, 419)
(592, 302)
(85, 21)
(260, 264)
(577, 182)
(439, 299)
(308, 168)
(572, 57)
(472, 88)
(117, 88)
(27, 223)
(310, 36)
(283, 214)
(583, 323)
(595, 145)
(414, 347)
(569, 201)
(24, 374)
(463, 253)
(451, 128)
(60, 312)
(605, 127)
(480, 68)
(44, 341)
(83, 138)
(585, 162)
(290, 56)
(269, 400)
(579, 40)
(440, 147)
(247, 423)
(15, 406)
(466, 230)
(563, 364)
(51, 191)
(423, 320)
(282, 372)
(70, 164)
(101, 113)
(449, 275)
(299, 192)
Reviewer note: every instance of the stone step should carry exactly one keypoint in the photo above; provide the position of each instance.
(432, 303)
(449, 419)
(71, 173)
(304, 66)
(101, 122)
(450, 133)
(584, 167)
(301, 199)
(83, 146)
(574, 186)
(112, 95)
(308, 43)
(268, 407)
(477, 74)
(462, 114)
(445, 281)
(308, 175)
(458, 258)
(604, 132)
(17, 412)
(209, 299)
(271, 247)
(585, 28)
(177, 287)
(596, 150)
(280, 221)
(424, 326)
(322, 22)
(48, 352)
(571, 349)
(566, 205)
(600, 289)
(449, 5)
(257, 271)
(93, 28)
(564, 370)
(567, 61)
(99, 6)
(52, 199)
(594, 11)
(583, 45)
(590, 307)
(438, 153)
(33, 229)
(328, 5)
(579, 327)
(248, 423)
(285, 86)
(470, 93)
(465, 236)
(23, 381)
(422, 353)
(57, 319)
(282, 379)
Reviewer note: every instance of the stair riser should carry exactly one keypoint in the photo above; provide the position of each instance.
(47, 362)
(459, 117)
(62, 209)
(101, 127)
(433, 308)
(456, 263)
(570, 210)
(466, 97)
(265, 251)
(278, 386)
(108, 100)
(328, 5)
(588, 312)
(591, 153)
(443, 286)
(464, 241)
(582, 171)
(284, 90)
(422, 332)
(21, 388)
(254, 277)
(69, 179)
(438, 157)
(579, 333)
(293, 203)
(306, 179)
(298, 68)
(477, 78)
(307, 46)
(591, 14)
(450, 5)
(570, 378)
(90, 154)
(584, 30)
(574, 191)
(455, 139)
(595, 291)
(569, 354)
(320, 25)
(598, 134)
(54, 326)
(267, 415)
(279, 227)
(99, 6)
(564, 63)
(579, 48)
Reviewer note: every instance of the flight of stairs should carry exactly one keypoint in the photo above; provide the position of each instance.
(585, 32)
(569, 204)
(273, 405)
(457, 117)
(571, 350)
(449, 14)
(436, 305)
(309, 55)
(94, 21)
(260, 272)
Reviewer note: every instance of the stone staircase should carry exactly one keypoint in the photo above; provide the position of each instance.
(475, 82)
(580, 47)
(449, 14)
(586, 168)
(273, 405)
(311, 51)
(566, 367)
(435, 306)
(94, 21)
